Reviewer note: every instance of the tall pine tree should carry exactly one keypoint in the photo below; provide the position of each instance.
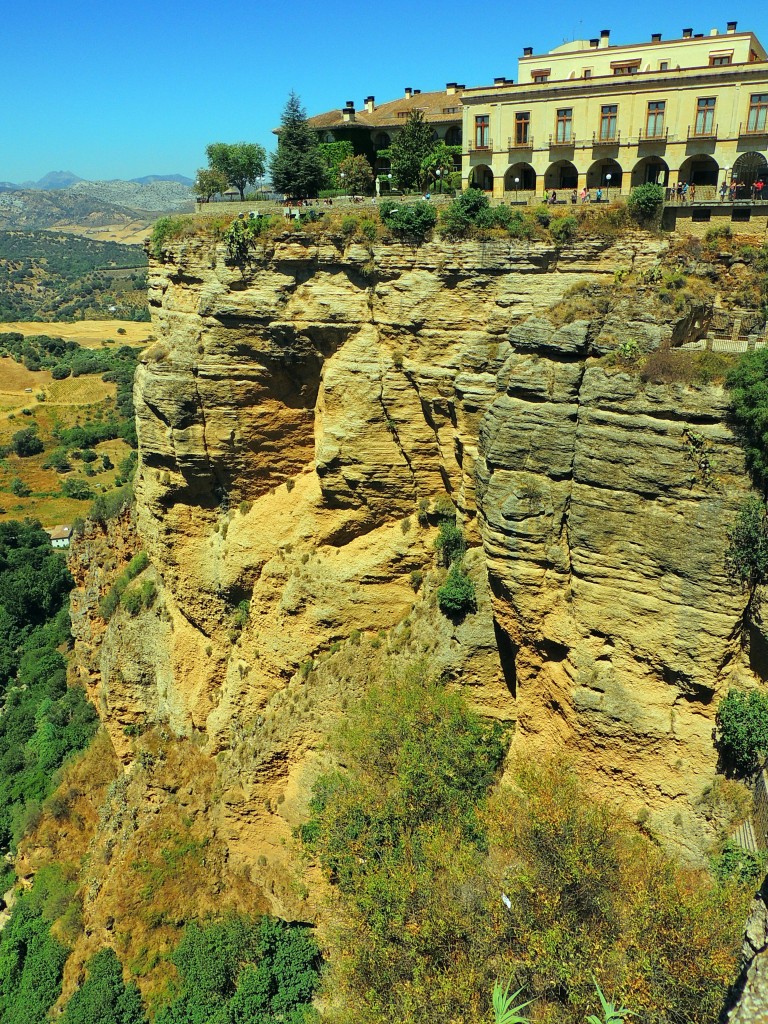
(297, 166)
(409, 150)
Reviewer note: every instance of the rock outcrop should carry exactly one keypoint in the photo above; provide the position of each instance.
(299, 418)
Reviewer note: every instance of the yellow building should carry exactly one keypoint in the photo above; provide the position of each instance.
(590, 114)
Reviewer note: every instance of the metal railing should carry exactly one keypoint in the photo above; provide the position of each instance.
(517, 144)
(604, 139)
(475, 147)
(657, 136)
(752, 131)
(554, 141)
(702, 133)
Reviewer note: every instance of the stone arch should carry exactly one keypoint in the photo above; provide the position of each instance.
(525, 173)
(597, 175)
(750, 167)
(381, 141)
(651, 170)
(481, 177)
(561, 174)
(699, 170)
(453, 136)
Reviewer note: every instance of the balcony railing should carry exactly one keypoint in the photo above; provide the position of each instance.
(702, 132)
(517, 144)
(556, 140)
(745, 130)
(476, 147)
(606, 138)
(659, 135)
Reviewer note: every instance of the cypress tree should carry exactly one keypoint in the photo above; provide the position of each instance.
(297, 167)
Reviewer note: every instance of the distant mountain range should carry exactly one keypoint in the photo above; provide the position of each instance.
(54, 180)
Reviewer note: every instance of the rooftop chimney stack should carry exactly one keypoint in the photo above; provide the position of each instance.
(408, 92)
(527, 51)
(348, 113)
(656, 37)
(605, 37)
(731, 28)
(370, 104)
(594, 43)
(687, 33)
(450, 88)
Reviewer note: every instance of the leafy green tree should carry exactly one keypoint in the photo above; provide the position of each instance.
(209, 181)
(748, 384)
(357, 175)
(645, 202)
(440, 158)
(241, 971)
(27, 442)
(297, 167)
(746, 558)
(411, 221)
(457, 595)
(104, 998)
(241, 163)
(333, 154)
(409, 149)
(742, 729)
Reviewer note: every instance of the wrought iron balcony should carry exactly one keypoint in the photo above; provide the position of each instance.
(659, 135)
(556, 141)
(476, 147)
(753, 131)
(606, 139)
(518, 144)
(702, 131)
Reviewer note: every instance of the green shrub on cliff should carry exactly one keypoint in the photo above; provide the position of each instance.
(411, 221)
(742, 729)
(645, 202)
(746, 558)
(104, 998)
(748, 384)
(457, 595)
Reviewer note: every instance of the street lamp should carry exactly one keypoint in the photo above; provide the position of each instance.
(607, 188)
(342, 176)
(438, 174)
(517, 183)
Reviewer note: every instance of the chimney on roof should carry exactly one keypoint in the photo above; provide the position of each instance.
(348, 113)
(460, 87)
(656, 37)
(501, 80)
(714, 32)
(370, 105)
(527, 51)
(408, 92)
(687, 33)
(605, 37)
(594, 43)
(698, 35)
(450, 88)
(731, 28)
(416, 92)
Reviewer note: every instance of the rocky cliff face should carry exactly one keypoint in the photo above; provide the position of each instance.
(300, 416)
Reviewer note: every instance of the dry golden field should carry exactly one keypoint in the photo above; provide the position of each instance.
(88, 333)
(31, 397)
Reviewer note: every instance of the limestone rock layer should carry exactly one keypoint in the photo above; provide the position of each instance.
(299, 418)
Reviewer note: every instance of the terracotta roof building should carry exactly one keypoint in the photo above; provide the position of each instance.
(373, 127)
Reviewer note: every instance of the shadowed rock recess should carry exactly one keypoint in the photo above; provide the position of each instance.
(293, 414)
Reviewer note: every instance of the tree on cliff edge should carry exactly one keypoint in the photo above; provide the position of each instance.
(241, 163)
(297, 166)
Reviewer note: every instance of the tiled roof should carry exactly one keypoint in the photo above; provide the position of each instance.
(59, 532)
(393, 114)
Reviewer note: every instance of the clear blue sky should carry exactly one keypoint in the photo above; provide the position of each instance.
(118, 91)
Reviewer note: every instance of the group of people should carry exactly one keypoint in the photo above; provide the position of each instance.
(585, 196)
(740, 190)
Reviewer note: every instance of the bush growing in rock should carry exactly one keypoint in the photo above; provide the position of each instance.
(742, 729)
(457, 595)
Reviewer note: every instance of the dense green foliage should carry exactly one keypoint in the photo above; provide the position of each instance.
(31, 959)
(104, 998)
(333, 154)
(746, 558)
(748, 384)
(241, 163)
(411, 221)
(111, 600)
(297, 167)
(356, 176)
(734, 862)
(209, 181)
(421, 858)
(410, 148)
(27, 442)
(457, 595)
(115, 365)
(49, 276)
(43, 721)
(645, 202)
(742, 729)
(450, 543)
(242, 972)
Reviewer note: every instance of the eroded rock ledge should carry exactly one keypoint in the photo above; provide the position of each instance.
(294, 413)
